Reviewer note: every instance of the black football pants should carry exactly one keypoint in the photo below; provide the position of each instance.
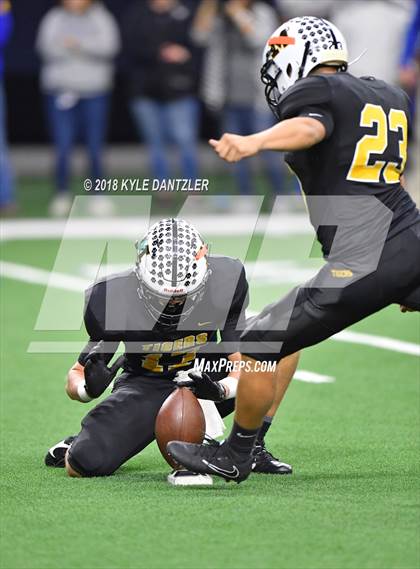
(122, 425)
(310, 314)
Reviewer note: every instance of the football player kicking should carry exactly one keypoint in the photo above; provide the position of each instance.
(166, 310)
(346, 139)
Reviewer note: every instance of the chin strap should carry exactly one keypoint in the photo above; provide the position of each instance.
(358, 57)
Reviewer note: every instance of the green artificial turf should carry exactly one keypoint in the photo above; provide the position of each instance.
(352, 502)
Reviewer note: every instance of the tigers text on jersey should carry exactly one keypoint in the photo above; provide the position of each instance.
(115, 312)
(364, 152)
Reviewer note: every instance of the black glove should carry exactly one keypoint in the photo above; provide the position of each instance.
(202, 386)
(97, 374)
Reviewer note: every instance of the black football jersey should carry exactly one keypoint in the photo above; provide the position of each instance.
(364, 152)
(115, 312)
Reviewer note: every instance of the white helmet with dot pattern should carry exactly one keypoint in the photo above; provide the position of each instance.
(295, 49)
(172, 269)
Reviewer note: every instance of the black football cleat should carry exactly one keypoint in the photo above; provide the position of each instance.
(55, 456)
(266, 463)
(215, 459)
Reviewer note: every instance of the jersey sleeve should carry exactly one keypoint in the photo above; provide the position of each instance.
(95, 329)
(310, 97)
(235, 321)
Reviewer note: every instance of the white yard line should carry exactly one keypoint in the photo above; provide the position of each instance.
(68, 282)
(311, 377)
(377, 342)
(33, 275)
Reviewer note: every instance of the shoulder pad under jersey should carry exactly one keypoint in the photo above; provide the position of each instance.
(307, 92)
(226, 274)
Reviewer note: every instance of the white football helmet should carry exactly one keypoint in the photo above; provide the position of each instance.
(172, 269)
(295, 49)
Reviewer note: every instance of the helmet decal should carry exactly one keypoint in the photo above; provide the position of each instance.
(142, 247)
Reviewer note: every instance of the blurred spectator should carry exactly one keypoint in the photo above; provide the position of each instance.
(77, 42)
(162, 70)
(7, 193)
(410, 58)
(409, 80)
(294, 8)
(235, 33)
(377, 26)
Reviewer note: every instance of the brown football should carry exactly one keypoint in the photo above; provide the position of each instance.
(180, 418)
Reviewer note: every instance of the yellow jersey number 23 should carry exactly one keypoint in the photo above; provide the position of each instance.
(377, 143)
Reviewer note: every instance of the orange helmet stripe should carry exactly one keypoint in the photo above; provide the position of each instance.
(281, 40)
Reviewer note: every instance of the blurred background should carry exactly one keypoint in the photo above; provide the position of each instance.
(134, 88)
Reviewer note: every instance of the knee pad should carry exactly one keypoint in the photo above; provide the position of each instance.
(88, 460)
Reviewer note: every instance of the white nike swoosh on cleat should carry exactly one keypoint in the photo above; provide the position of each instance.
(234, 473)
(61, 444)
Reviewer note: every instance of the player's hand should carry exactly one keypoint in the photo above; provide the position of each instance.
(201, 385)
(97, 374)
(233, 147)
(174, 53)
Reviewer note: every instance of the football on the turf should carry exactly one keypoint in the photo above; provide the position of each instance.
(180, 418)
